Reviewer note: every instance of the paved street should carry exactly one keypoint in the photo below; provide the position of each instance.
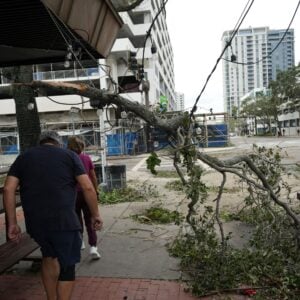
(242, 142)
(238, 144)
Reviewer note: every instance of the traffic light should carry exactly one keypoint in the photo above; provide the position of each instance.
(141, 73)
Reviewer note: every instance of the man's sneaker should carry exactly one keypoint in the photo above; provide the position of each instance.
(82, 245)
(94, 253)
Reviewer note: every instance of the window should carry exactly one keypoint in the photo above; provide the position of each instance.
(293, 123)
(128, 84)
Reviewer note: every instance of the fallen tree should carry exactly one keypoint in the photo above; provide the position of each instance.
(268, 199)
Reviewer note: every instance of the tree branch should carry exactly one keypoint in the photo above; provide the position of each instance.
(171, 126)
(218, 200)
(64, 88)
(221, 167)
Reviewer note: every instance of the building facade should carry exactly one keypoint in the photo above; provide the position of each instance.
(253, 60)
(116, 73)
(152, 53)
(179, 101)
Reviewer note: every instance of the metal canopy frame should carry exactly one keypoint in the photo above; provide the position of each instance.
(29, 29)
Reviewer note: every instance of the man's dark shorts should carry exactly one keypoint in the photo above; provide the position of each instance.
(63, 245)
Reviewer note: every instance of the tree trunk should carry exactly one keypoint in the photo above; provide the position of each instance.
(28, 121)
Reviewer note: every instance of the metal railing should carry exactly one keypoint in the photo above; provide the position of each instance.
(66, 74)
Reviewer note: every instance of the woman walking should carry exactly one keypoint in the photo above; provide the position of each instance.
(77, 145)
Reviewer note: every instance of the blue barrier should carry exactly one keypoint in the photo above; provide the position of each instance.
(121, 144)
(12, 149)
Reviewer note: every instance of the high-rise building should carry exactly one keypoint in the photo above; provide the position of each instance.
(253, 60)
(179, 101)
(155, 54)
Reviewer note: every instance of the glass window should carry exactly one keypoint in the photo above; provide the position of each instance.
(293, 123)
(128, 84)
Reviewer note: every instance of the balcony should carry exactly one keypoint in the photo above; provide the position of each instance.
(74, 74)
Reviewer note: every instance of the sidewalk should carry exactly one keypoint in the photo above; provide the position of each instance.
(23, 283)
(14, 287)
(135, 264)
(126, 258)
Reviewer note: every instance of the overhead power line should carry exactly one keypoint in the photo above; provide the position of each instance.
(69, 36)
(273, 50)
(228, 44)
(148, 33)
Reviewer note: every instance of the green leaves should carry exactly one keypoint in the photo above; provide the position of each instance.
(159, 215)
(270, 260)
(153, 161)
(138, 193)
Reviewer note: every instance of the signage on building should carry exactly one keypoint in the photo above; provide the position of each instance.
(163, 102)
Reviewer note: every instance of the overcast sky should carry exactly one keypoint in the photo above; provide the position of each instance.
(196, 28)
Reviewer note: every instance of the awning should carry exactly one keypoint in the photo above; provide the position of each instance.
(35, 31)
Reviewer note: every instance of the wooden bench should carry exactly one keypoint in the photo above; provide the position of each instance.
(12, 252)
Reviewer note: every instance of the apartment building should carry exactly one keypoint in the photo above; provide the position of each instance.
(253, 60)
(153, 53)
(179, 101)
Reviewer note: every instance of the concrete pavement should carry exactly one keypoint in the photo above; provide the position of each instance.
(128, 249)
(135, 264)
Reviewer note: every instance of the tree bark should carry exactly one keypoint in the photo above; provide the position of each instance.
(64, 88)
(28, 121)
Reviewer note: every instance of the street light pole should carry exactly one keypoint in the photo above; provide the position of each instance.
(103, 145)
(73, 125)
(145, 89)
(74, 110)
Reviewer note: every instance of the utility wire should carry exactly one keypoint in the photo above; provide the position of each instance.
(148, 33)
(220, 57)
(65, 103)
(66, 41)
(86, 50)
(242, 13)
(273, 50)
(74, 37)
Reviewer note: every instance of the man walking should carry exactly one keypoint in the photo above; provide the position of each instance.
(47, 176)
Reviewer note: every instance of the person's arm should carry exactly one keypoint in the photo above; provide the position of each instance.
(93, 178)
(9, 200)
(91, 199)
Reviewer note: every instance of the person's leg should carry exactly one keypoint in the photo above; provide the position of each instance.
(64, 290)
(60, 251)
(50, 274)
(79, 203)
(92, 235)
(68, 250)
(66, 282)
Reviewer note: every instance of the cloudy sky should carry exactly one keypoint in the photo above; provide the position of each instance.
(196, 28)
